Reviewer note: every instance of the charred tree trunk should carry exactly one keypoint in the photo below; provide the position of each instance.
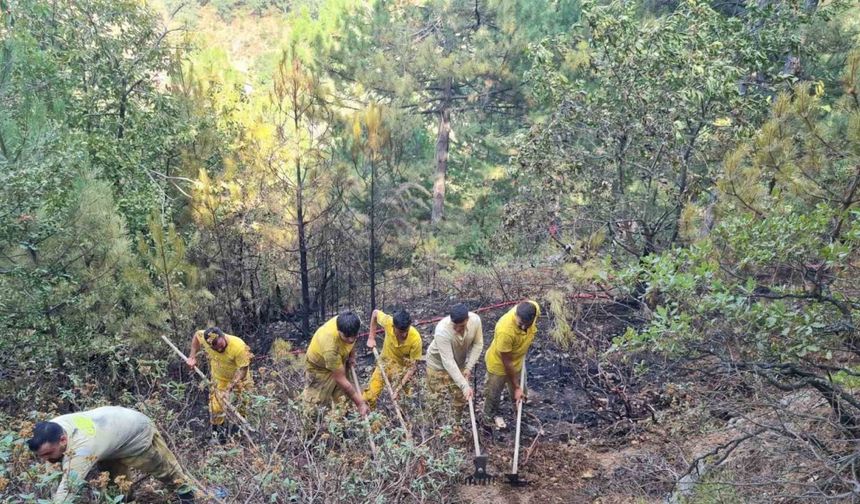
(303, 251)
(335, 302)
(442, 146)
(372, 254)
(322, 289)
(301, 230)
(225, 271)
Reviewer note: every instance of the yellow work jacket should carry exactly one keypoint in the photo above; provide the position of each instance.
(327, 351)
(509, 338)
(224, 364)
(393, 351)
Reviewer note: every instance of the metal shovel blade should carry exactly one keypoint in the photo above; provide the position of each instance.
(515, 480)
(480, 477)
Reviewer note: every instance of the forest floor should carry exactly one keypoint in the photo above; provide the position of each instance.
(593, 431)
(567, 453)
(574, 447)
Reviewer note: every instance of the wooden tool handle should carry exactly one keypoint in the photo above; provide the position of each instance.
(519, 419)
(474, 427)
(366, 422)
(184, 358)
(391, 393)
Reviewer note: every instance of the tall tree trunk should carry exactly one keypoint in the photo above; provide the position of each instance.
(225, 271)
(335, 286)
(303, 251)
(300, 215)
(442, 143)
(372, 254)
(324, 286)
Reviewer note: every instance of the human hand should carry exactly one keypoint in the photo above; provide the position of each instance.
(467, 374)
(363, 409)
(371, 342)
(468, 393)
(518, 395)
(191, 361)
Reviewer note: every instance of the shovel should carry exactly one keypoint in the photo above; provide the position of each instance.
(514, 477)
(480, 477)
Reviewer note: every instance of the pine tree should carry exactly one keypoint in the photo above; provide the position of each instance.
(385, 202)
(456, 63)
(293, 146)
(165, 256)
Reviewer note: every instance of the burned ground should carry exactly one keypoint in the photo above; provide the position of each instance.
(595, 428)
(580, 418)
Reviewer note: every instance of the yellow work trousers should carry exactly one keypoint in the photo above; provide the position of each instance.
(321, 390)
(240, 400)
(395, 374)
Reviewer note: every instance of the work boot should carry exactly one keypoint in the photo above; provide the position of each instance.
(232, 430)
(500, 423)
(219, 433)
(186, 498)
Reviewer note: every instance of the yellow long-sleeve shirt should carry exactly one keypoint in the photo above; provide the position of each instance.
(224, 365)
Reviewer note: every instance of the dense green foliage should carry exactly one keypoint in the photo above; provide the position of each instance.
(88, 139)
(643, 112)
(769, 293)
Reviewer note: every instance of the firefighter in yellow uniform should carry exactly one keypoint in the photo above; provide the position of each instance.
(400, 354)
(229, 361)
(513, 336)
(326, 361)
